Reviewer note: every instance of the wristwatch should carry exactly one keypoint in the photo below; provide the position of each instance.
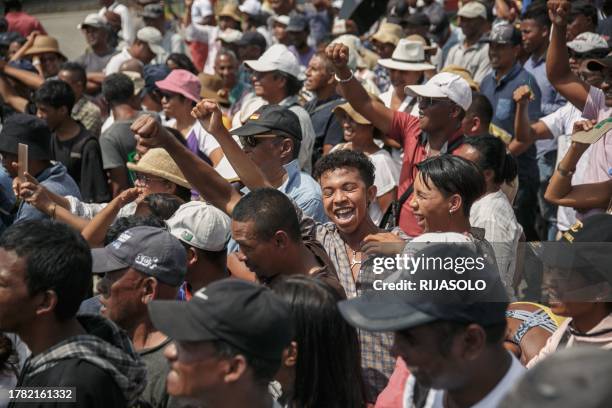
(563, 172)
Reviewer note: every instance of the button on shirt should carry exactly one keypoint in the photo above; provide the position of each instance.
(504, 108)
(551, 99)
(474, 58)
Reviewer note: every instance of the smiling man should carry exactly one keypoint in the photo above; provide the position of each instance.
(143, 264)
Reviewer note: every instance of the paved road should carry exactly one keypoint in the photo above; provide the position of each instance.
(63, 26)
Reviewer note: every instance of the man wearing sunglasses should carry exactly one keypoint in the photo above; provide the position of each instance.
(443, 102)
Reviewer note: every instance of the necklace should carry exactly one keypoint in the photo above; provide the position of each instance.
(354, 261)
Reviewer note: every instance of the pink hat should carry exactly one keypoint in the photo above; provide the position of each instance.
(181, 82)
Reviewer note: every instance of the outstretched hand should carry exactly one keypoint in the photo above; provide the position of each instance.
(32, 192)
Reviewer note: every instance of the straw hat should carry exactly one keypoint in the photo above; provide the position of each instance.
(212, 88)
(463, 73)
(348, 110)
(419, 38)
(157, 162)
(388, 33)
(44, 43)
(231, 11)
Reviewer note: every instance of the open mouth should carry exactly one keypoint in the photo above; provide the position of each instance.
(344, 215)
(419, 219)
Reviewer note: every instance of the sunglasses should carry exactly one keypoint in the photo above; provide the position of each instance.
(147, 180)
(168, 95)
(252, 141)
(426, 102)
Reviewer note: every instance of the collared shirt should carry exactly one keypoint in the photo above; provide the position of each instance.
(89, 115)
(406, 130)
(376, 361)
(499, 93)
(387, 97)
(305, 191)
(308, 133)
(474, 58)
(551, 99)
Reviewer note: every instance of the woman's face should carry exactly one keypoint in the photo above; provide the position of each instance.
(354, 132)
(430, 206)
(174, 104)
(153, 184)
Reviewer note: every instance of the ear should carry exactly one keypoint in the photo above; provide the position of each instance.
(47, 302)
(235, 367)
(287, 147)
(474, 340)
(475, 123)
(455, 203)
(149, 290)
(371, 194)
(290, 355)
(192, 256)
(455, 111)
(281, 239)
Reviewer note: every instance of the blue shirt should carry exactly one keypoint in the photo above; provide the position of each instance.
(551, 99)
(55, 179)
(504, 110)
(7, 198)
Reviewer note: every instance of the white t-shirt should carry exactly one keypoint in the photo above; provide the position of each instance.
(435, 399)
(494, 213)
(115, 62)
(560, 123)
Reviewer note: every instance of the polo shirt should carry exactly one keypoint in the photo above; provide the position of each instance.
(474, 58)
(406, 130)
(504, 110)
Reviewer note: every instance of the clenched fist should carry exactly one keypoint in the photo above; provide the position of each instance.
(558, 11)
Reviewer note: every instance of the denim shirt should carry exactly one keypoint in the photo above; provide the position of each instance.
(504, 108)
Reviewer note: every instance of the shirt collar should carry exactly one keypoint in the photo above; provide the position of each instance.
(458, 134)
(293, 170)
(511, 74)
(289, 101)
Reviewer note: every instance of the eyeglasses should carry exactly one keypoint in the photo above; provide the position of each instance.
(146, 180)
(426, 102)
(252, 141)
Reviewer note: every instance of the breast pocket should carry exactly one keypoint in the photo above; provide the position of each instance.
(503, 109)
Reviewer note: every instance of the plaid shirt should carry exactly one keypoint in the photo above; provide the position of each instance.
(376, 361)
(89, 115)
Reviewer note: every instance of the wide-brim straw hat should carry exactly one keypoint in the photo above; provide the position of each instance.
(157, 162)
(212, 88)
(231, 11)
(348, 110)
(44, 43)
(463, 73)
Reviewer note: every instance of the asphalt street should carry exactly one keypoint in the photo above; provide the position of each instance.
(63, 26)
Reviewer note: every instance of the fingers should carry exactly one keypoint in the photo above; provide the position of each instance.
(145, 126)
(204, 108)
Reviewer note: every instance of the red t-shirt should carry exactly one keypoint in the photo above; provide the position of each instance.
(406, 130)
(23, 23)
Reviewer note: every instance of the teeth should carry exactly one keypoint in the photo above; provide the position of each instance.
(344, 213)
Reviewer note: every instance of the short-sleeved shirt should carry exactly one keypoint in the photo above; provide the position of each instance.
(474, 58)
(89, 115)
(405, 130)
(117, 142)
(504, 108)
(93, 62)
(600, 167)
(116, 60)
(23, 23)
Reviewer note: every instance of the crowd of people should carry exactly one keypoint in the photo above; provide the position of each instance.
(208, 186)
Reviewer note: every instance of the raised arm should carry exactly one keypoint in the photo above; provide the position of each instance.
(208, 113)
(558, 70)
(214, 188)
(524, 132)
(380, 116)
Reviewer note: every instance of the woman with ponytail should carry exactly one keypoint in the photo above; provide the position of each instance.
(493, 212)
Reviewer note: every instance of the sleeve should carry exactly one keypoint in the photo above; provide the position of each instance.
(94, 184)
(535, 107)
(112, 66)
(111, 156)
(386, 175)
(334, 134)
(84, 210)
(197, 32)
(595, 101)
(554, 122)
(206, 142)
(484, 68)
(557, 103)
(402, 125)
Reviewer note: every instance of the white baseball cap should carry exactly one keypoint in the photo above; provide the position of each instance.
(473, 9)
(444, 85)
(284, 20)
(201, 225)
(93, 20)
(276, 58)
(586, 42)
(252, 7)
(153, 38)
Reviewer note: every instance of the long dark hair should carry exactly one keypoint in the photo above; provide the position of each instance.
(328, 369)
(493, 156)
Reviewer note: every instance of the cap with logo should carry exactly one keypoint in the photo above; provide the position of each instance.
(407, 56)
(201, 225)
(393, 310)
(473, 9)
(587, 41)
(276, 58)
(271, 118)
(504, 33)
(248, 316)
(444, 85)
(153, 38)
(93, 20)
(149, 250)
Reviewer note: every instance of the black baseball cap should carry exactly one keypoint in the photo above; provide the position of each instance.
(252, 38)
(394, 310)
(149, 250)
(271, 118)
(504, 33)
(297, 23)
(29, 130)
(248, 316)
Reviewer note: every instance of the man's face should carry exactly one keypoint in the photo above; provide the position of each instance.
(196, 372)
(534, 35)
(429, 206)
(578, 24)
(317, 75)
(434, 113)
(602, 80)
(420, 349)
(249, 52)
(122, 297)
(226, 22)
(265, 83)
(401, 79)
(502, 56)
(259, 255)
(298, 38)
(151, 184)
(385, 50)
(53, 116)
(69, 78)
(346, 198)
(7, 160)
(94, 36)
(471, 27)
(279, 31)
(280, 7)
(227, 69)
(50, 63)
(17, 307)
(140, 50)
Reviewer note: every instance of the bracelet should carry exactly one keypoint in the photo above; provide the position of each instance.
(342, 81)
(564, 173)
